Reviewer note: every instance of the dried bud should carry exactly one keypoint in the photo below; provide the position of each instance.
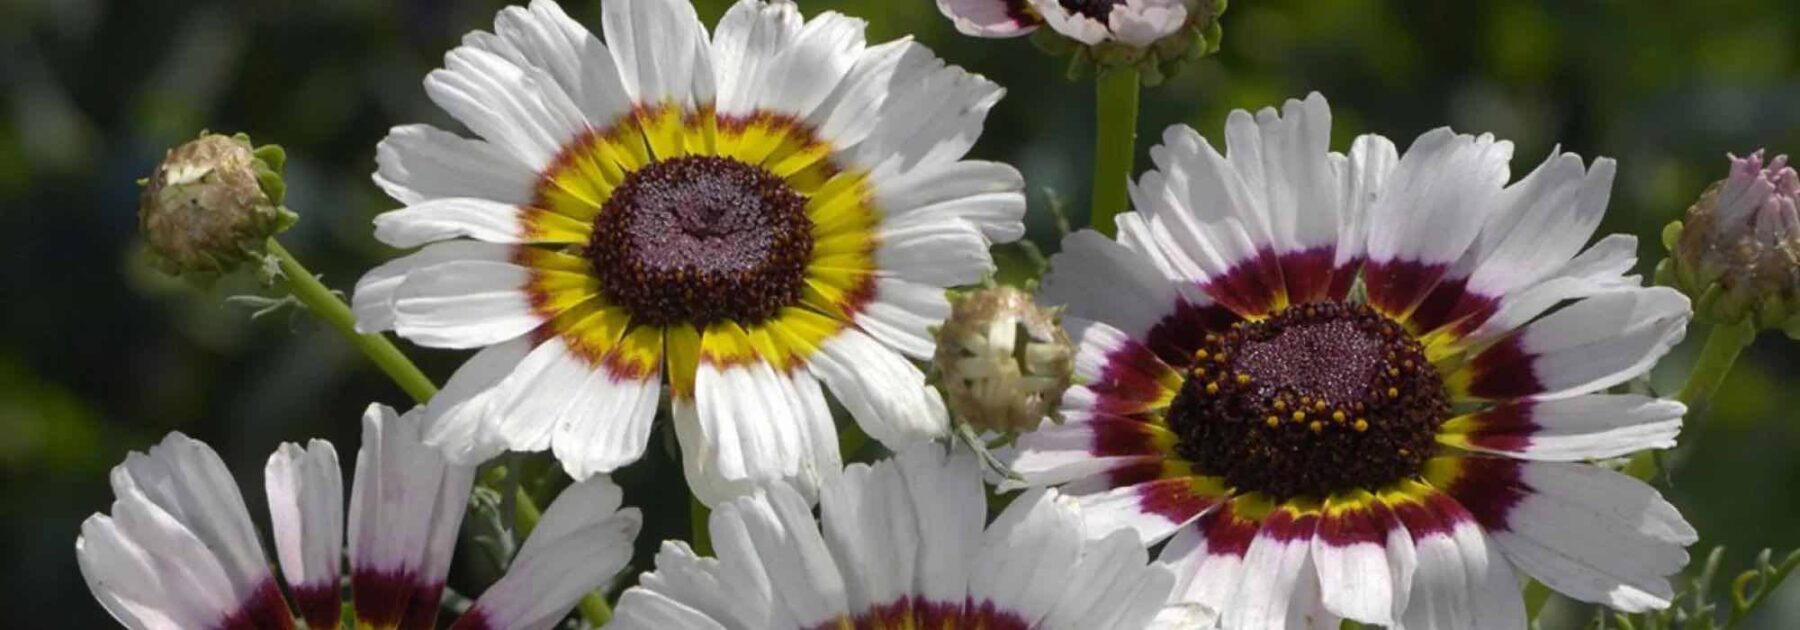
(1737, 252)
(212, 204)
(1002, 360)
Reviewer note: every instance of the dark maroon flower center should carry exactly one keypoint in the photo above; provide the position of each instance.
(702, 239)
(1317, 399)
(1097, 9)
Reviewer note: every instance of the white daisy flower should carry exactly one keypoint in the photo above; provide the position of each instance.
(179, 551)
(900, 544)
(1342, 386)
(742, 217)
(1091, 22)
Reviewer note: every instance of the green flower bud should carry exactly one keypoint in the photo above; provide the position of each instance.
(1002, 360)
(212, 205)
(1736, 252)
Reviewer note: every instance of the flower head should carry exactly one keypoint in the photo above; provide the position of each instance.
(1003, 361)
(179, 550)
(1155, 36)
(901, 544)
(1361, 386)
(1737, 250)
(743, 220)
(212, 204)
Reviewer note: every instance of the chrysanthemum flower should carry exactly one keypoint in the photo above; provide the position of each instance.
(900, 544)
(742, 217)
(179, 551)
(1132, 22)
(1342, 386)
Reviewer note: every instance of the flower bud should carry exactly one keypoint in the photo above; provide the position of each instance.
(1737, 251)
(1157, 37)
(212, 204)
(1002, 360)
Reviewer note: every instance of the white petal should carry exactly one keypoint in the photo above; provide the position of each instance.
(419, 163)
(530, 402)
(1603, 268)
(448, 218)
(949, 509)
(1363, 175)
(780, 529)
(1596, 535)
(989, 194)
(902, 314)
(884, 392)
(1272, 569)
(546, 38)
(644, 609)
(518, 109)
(1142, 22)
(1540, 223)
(179, 549)
(660, 49)
(306, 509)
(406, 503)
(930, 114)
(1112, 587)
(581, 543)
(749, 425)
(1285, 161)
(1350, 552)
(988, 18)
(1596, 426)
(868, 521)
(456, 419)
(373, 302)
(1594, 344)
(464, 304)
(939, 253)
(766, 60)
(1027, 555)
(1072, 25)
(1437, 198)
(608, 424)
(184, 480)
(1098, 279)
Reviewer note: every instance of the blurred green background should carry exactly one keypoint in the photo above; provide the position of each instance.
(101, 355)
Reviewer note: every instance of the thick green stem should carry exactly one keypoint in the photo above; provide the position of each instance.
(1115, 144)
(326, 305)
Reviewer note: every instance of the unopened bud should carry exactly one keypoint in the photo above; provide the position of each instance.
(1002, 360)
(212, 204)
(1737, 250)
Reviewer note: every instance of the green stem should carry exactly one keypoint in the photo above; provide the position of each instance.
(698, 517)
(327, 306)
(1115, 143)
(1723, 345)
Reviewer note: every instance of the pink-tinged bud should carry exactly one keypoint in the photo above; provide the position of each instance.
(1002, 360)
(1737, 250)
(212, 204)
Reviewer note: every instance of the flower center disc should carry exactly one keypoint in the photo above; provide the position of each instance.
(702, 239)
(1318, 399)
(1097, 9)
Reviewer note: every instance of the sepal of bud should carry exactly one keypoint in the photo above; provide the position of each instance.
(212, 204)
(1736, 251)
(1002, 360)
